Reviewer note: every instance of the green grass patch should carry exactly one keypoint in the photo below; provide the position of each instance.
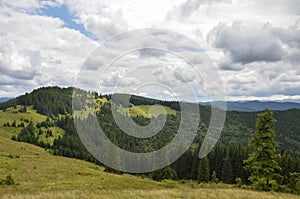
(13, 115)
(144, 110)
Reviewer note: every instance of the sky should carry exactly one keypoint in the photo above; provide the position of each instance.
(248, 48)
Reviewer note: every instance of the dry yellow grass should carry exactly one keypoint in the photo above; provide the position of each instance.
(184, 193)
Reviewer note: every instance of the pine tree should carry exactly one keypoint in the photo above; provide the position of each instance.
(203, 172)
(227, 175)
(262, 164)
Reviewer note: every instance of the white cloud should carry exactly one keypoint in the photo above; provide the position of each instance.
(257, 57)
(246, 44)
(190, 6)
(30, 5)
(97, 17)
(39, 50)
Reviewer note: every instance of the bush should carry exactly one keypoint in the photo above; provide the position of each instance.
(239, 182)
(294, 183)
(168, 183)
(8, 181)
(14, 137)
(264, 185)
(14, 124)
(214, 178)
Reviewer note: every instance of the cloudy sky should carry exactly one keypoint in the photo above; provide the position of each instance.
(254, 46)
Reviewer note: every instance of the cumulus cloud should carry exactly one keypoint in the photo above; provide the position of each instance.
(257, 60)
(30, 5)
(185, 74)
(290, 36)
(98, 17)
(263, 79)
(190, 6)
(290, 7)
(151, 52)
(246, 44)
(38, 50)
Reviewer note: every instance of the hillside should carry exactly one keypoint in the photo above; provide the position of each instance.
(44, 118)
(12, 121)
(38, 174)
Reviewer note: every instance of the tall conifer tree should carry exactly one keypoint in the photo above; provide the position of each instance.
(262, 164)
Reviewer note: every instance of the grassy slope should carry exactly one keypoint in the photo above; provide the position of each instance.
(139, 110)
(10, 116)
(144, 110)
(42, 175)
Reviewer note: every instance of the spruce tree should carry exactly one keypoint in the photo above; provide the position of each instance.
(227, 175)
(262, 164)
(203, 172)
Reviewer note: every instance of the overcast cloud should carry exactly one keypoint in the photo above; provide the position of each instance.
(254, 44)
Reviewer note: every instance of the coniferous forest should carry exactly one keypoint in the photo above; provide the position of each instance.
(251, 143)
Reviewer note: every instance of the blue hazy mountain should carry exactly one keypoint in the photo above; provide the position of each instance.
(251, 106)
(3, 99)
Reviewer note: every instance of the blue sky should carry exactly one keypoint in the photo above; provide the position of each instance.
(64, 14)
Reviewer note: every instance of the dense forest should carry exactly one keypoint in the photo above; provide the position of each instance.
(225, 163)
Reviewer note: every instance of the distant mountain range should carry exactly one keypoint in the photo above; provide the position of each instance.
(3, 99)
(252, 106)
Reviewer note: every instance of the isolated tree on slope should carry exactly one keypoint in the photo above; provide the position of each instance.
(262, 164)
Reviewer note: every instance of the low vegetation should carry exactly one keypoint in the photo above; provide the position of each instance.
(37, 174)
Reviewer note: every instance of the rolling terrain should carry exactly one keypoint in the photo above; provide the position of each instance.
(37, 173)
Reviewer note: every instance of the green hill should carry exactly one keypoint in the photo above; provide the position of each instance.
(238, 127)
(44, 118)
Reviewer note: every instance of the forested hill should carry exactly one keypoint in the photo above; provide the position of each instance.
(53, 101)
(44, 118)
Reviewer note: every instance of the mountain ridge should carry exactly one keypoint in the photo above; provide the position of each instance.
(255, 105)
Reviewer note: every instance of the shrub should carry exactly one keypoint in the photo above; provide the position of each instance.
(7, 181)
(214, 178)
(239, 182)
(294, 182)
(168, 183)
(14, 137)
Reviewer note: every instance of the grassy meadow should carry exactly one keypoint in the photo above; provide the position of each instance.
(13, 114)
(38, 174)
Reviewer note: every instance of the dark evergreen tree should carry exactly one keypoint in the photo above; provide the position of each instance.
(165, 173)
(262, 164)
(203, 172)
(227, 175)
